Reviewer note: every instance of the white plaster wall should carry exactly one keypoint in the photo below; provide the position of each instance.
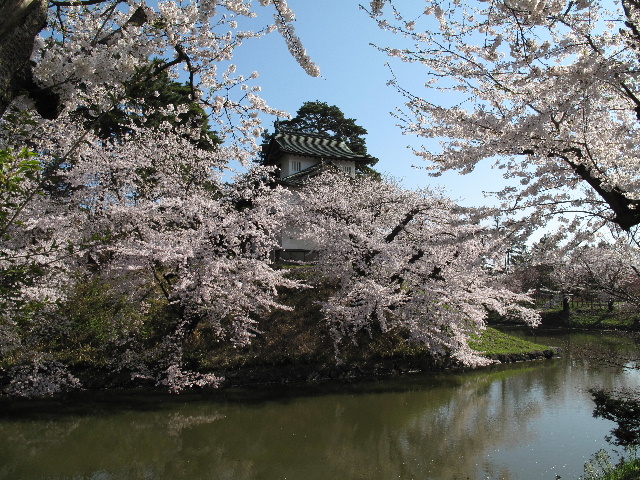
(287, 160)
(341, 164)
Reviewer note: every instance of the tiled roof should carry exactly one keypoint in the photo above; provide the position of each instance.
(313, 145)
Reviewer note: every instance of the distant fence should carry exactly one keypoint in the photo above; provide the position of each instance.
(547, 300)
(299, 256)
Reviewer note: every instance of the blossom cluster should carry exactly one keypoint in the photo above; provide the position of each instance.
(545, 90)
(126, 195)
(404, 261)
(145, 207)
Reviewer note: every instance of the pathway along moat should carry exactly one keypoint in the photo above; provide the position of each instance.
(522, 421)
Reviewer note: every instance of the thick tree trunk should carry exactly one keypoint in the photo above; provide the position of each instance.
(20, 22)
(624, 206)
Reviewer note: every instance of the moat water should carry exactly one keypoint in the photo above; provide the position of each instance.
(530, 420)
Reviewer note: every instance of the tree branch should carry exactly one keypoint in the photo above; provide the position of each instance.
(20, 22)
(78, 3)
(137, 19)
(626, 209)
(401, 226)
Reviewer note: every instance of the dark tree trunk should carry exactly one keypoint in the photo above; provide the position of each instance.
(20, 22)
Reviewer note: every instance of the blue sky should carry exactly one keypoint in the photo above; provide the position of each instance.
(337, 34)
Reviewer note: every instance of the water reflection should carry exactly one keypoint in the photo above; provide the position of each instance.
(530, 420)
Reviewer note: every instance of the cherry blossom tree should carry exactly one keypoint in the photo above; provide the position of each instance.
(20, 23)
(611, 271)
(547, 90)
(144, 212)
(403, 261)
(146, 206)
(113, 33)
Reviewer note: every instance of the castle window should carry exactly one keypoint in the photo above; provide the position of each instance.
(296, 166)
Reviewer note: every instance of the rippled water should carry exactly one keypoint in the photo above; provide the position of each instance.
(523, 421)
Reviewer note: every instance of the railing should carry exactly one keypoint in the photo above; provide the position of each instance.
(302, 256)
(548, 299)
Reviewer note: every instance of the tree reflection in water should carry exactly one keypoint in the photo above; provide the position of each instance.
(530, 420)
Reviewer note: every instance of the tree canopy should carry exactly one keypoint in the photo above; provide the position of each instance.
(112, 176)
(145, 100)
(118, 182)
(322, 118)
(549, 93)
(405, 261)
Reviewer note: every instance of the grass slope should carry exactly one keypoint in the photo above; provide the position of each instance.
(492, 342)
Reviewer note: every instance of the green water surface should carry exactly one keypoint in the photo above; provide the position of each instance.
(523, 421)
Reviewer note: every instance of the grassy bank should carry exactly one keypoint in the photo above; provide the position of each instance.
(299, 350)
(494, 344)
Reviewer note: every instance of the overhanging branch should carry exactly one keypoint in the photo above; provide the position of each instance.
(626, 210)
